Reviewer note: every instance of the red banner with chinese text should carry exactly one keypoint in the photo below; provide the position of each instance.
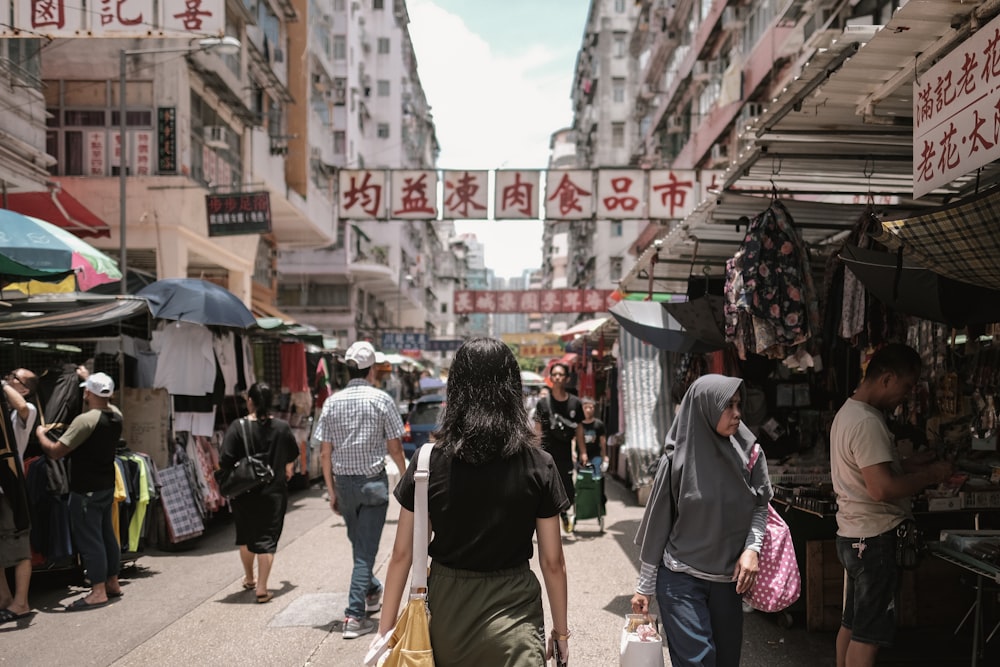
(531, 301)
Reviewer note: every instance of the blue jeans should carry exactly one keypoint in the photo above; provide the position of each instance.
(872, 590)
(94, 534)
(363, 502)
(703, 620)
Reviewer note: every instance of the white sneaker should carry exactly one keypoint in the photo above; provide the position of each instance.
(373, 602)
(355, 627)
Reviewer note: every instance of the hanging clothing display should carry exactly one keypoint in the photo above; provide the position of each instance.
(770, 299)
(293, 367)
(190, 359)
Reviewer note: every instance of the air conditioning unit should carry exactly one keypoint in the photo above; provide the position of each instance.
(338, 96)
(647, 92)
(216, 136)
(733, 18)
(705, 70)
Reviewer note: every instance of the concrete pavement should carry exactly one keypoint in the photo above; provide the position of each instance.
(188, 607)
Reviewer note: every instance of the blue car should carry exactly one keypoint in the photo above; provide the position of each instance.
(422, 420)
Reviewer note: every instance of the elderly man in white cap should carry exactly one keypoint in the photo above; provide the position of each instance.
(90, 442)
(358, 425)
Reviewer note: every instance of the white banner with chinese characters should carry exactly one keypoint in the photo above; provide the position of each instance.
(113, 18)
(956, 112)
(569, 194)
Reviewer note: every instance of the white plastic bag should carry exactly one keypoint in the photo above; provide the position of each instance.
(641, 646)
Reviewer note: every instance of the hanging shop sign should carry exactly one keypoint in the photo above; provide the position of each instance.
(531, 301)
(444, 345)
(238, 213)
(956, 112)
(120, 18)
(570, 194)
(166, 140)
(540, 350)
(403, 341)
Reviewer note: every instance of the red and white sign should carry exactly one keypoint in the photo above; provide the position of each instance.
(466, 195)
(621, 194)
(569, 194)
(531, 301)
(96, 153)
(414, 195)
(673, 194)
(956, 112)
(516, 194)
(114, 18)
(362, 194)
(141, 145)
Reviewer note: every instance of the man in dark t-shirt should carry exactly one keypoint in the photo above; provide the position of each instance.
(90, 442)
(557, 420)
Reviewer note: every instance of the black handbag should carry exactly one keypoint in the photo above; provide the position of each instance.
(249, 473)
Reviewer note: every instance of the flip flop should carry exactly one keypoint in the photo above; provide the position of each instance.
(83, 605)
(249, 585)
(119, 594)
(7, 616)
(266, 597)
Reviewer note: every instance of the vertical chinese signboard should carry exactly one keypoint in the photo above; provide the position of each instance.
(466, 195)
(516, 194)
(238, 213)
(414, 195)
(621, 194)
(956, 112)
(672, 194)
(166, 140)
(362, 194)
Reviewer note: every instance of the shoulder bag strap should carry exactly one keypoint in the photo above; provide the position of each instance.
(246, 437)
(418, 578)
(754, 455)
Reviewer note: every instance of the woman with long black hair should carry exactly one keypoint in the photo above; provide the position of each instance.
(260, 514)
(491, 489)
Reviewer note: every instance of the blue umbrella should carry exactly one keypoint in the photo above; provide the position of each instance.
(195, 300)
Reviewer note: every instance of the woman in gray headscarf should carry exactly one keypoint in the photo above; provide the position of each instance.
(703, 527)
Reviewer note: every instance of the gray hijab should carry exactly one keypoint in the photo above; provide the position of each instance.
(701, 503)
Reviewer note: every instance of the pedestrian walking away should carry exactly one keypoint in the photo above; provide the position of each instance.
(259, 514)
(557, 420)
(358, 426)
(703, 527)
(90, 443)
(873, 488)
(491, 490)
(18, 388)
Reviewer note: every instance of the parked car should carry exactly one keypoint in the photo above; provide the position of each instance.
(423, 419)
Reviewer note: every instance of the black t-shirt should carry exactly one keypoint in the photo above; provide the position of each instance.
(274, 443)
(557, 435)
(483, 517)
(592, 434)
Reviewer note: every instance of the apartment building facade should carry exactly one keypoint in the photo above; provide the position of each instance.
(368, 107)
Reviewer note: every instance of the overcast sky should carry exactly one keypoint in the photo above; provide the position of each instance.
(497, 75)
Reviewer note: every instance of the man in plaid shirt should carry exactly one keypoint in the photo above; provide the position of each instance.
(358, 426)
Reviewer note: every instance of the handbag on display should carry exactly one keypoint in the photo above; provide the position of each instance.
(778, 583)
(409, 642)
(249, 473)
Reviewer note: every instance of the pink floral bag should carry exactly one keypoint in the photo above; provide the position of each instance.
(778, 583)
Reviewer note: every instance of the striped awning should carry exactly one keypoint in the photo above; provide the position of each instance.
(960, 241)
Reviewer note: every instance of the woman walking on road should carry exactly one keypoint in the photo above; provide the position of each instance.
(703, 527)
(260, 514)
(492, 488)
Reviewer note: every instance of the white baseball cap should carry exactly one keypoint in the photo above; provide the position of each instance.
(99, 384)
(362, 353)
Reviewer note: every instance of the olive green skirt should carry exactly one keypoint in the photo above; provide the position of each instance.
(486, 619)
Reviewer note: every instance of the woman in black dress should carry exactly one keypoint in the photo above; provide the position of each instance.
(260, 514)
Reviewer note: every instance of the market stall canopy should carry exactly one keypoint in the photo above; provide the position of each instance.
(198, 301)
(303, 332)
(650, 322)
(584, 328)
(914, 290)
(50, 250)
(75, 316)
(529, 379)
(704, 318)
(961, 241)
(61, 209)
